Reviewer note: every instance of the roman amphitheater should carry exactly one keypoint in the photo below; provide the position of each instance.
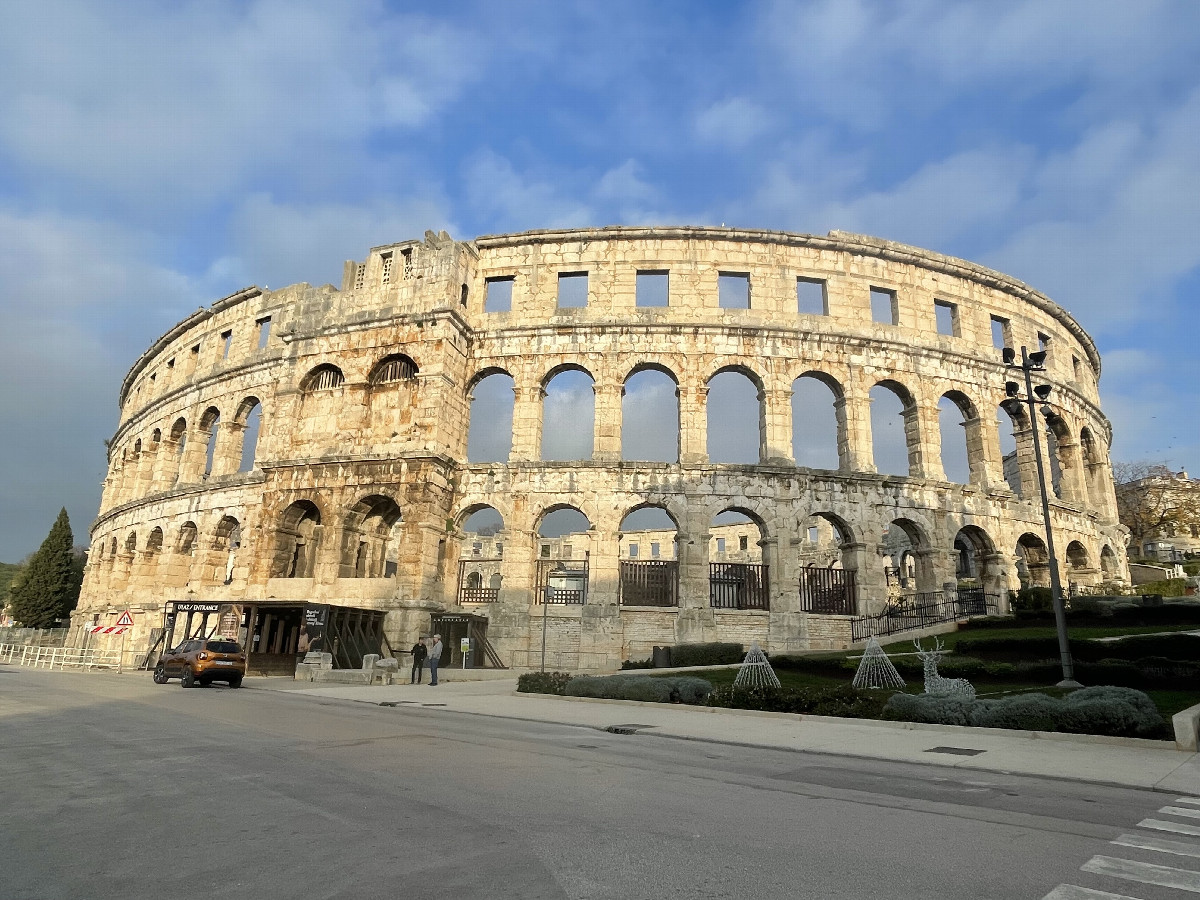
(594, 442)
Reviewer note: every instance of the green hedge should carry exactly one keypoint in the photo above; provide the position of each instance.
(842, 700)
(711, 654)
(684, 689)
(1170, 646)
(1108, 710)
(543, 682)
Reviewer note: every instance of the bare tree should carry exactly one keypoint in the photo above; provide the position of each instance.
(1153, 501)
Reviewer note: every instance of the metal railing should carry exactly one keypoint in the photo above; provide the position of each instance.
(562, 581)
(649, 582)
(738, 586)
(59, 657)
(913, 611)
(830, 592)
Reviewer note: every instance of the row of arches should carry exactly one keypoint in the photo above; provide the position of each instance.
(887, 431)
(214, 446)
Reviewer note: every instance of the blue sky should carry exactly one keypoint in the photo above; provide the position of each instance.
(155, 156)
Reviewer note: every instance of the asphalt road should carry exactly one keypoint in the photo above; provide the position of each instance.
(114, 787)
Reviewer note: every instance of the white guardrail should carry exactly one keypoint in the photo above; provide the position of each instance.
(59, 657)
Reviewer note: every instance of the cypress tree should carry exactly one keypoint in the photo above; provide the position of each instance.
(47, 589)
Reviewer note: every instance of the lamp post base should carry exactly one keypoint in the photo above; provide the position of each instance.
(1068, 683)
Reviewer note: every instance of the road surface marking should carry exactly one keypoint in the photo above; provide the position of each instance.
(1155, 843)
(1146, 873)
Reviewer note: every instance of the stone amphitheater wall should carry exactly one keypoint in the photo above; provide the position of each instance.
(364, 403)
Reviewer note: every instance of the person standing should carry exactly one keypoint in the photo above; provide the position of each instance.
(435, 657)
(419, 652)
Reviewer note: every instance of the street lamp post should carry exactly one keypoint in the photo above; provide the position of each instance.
(1035, 362)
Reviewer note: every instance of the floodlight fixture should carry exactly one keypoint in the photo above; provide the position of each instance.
(1011, 389)
(1042, 391)
(1010, 356)
(1037, 360)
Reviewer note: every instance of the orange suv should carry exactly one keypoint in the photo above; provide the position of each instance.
(203, 661)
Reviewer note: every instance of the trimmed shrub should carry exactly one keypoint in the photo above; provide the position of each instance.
(1028, 712)
(1033, 599)
(640, 687)
(638, 664)
(1107, 710)
(935, 709)
(841, 700)
(711, 654)
(543, 682)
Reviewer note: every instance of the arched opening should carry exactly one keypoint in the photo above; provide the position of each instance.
(131, 543)
(1093, 467)
(179, 440)
(1109, 565)
(894, 437)
(1033, 561)
(1079, 566)
(325, 377)
(817, 433)
(392, 396)
(979, 569)
(187, 538)
(210, 427)
(1009, 424)
(226, 541)
(1058, 438)
(481, 554)
(649, 558)
(369, 539)
(908, 566)
(568, 415)
(563, 547)
(249, 419)
(829, 560)
(735, 418)
(650, 416)
(489, 433)
(737, 576)
(155, 541)
(297, 537)
(962, 443)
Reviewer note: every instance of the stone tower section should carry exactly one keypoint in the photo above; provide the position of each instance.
(610, 438)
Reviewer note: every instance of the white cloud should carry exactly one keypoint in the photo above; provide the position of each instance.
(735, 123)
(516, 201)
(282, 243)
(190, 99)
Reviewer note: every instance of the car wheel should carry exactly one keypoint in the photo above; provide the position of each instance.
(189, 678)
(235, 682)
(160, 674)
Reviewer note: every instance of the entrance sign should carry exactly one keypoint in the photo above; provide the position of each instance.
(191, 607)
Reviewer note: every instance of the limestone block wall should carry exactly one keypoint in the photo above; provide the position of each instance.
(311, 443)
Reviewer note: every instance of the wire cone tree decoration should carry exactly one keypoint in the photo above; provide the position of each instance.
(756, 671)
(875, 670)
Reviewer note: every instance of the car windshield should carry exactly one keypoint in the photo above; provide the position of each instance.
(223, 647)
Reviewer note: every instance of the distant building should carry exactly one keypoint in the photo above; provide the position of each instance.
(1159, 496)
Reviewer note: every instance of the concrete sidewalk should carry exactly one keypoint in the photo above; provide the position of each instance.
(1156, 765)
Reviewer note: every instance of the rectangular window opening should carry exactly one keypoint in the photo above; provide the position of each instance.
(171, 363)
(545, 551)
(812, 297)
(947, 318)
(1045, 346)
(743, 542)
(1075, 366)
(883, 307)
(653, 288)
(813, 534)
(633, 550)
(720, 545)
(407, 254)
(386, 274)
(572, 290)
(733, 290)
(1000, 333)
(360, 274)
(227, 337)
(499, 294)
(655, 549)
(264, 331)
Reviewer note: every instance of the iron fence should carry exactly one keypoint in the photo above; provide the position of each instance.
(650, 582)
(831, 592)
(913, 611)
(562, 581)
(738, 586)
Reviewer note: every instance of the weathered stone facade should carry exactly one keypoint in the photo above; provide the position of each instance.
(359, 485)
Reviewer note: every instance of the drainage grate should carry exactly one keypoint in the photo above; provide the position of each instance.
(955, 751)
